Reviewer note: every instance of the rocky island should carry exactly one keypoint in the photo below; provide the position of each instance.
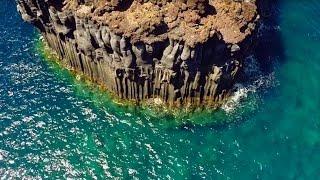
(173, 52)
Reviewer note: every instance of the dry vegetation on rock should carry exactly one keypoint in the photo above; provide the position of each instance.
(179, 52)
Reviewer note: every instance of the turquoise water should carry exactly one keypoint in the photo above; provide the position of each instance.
(54, 126)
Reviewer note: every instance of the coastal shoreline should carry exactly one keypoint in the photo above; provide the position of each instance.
(167, 71)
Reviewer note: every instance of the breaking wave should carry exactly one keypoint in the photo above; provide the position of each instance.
(256, 82)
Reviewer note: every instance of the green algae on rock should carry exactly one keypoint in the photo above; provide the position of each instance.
(170, 116)
(178, 53)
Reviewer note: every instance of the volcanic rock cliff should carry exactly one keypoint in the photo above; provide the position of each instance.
(178, 52)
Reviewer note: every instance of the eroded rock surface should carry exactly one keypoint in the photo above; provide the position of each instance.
(182, 52)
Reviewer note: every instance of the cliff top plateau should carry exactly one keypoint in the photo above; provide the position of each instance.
(191, 21)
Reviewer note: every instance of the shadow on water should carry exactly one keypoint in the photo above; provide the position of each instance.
(268, 56)
(270, 49)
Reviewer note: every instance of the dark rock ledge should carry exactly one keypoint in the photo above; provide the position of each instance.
(177, 52)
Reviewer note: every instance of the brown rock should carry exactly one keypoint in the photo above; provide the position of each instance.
(181, 52)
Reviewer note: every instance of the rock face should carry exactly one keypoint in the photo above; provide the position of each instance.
(182, 52)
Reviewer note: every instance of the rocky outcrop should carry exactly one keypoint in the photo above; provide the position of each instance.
(182, 52)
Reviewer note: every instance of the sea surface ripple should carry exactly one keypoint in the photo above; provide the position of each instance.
(53, 126)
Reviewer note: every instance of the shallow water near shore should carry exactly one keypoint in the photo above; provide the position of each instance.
(55, 126)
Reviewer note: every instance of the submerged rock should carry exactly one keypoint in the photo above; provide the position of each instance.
(177, 52)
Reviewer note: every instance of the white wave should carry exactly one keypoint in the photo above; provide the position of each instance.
(237, 96)
(257, 81)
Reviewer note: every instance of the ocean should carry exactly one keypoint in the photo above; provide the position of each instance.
(54, 126)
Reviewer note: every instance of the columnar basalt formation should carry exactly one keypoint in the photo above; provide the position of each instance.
(178, 52)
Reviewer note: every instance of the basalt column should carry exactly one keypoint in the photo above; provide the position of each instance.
(178, 52)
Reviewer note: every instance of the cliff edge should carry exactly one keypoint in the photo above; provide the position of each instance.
(176, 52)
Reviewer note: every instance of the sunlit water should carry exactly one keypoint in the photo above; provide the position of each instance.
(54, 126)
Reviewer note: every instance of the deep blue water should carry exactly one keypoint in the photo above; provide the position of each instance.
(54, 126)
